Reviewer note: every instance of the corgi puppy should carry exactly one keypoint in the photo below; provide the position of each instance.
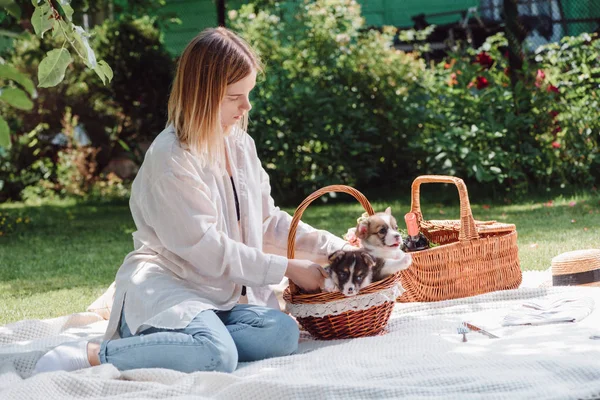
(349, 272)
(379, 236)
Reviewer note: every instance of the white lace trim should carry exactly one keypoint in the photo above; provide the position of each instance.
(352, 303)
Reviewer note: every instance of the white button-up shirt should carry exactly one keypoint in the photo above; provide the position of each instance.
(191, 254)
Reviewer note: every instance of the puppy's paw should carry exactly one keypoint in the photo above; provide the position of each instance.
(329, 286)
(392, 266)
(405, 261)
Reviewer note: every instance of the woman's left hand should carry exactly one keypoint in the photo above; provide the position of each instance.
(306, 274)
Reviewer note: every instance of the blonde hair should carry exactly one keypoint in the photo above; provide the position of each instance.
(214, 59)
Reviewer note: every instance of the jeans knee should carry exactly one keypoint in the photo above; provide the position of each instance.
(223, 356)
(285, 334)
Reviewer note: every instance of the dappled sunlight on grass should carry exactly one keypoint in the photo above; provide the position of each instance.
(71, 247)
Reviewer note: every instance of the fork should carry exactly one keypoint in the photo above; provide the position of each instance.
(463, 330)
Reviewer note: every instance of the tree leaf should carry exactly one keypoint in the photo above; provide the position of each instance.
(124, 145)
(16, 98)
(83, 46)
(11, 7)
(4, 133)
(57, 32)
(106, 69)
(100, 73)
(51, 70)
(41, 20)
(10, 72)
(67, 9)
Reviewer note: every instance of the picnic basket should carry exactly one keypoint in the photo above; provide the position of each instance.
(333, 315)
(473, 257)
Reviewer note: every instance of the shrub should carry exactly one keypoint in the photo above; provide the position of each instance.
(480, 127)
(573, 67)
(337, 103)
(116, 118)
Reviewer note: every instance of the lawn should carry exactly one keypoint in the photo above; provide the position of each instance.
(69, 252)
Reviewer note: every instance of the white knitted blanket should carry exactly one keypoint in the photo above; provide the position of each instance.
(421, 356)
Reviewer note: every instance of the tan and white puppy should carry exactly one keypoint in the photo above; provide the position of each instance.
(379, 236)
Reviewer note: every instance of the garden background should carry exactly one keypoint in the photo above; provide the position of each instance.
(489, 94)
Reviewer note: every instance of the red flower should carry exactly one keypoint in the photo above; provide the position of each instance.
(553, 113)
(484, 60)
(452, 81)
(481, 82)
(507, 71)
(556, 130)
(552, 88)
(539, 78)
(447, 66)
(556, 145)
(541, 75)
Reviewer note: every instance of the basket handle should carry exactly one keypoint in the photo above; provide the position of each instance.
(467, 223)
(300, 210)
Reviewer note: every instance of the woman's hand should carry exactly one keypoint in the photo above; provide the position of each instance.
(306, 274)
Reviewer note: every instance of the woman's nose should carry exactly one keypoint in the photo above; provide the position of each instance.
(246, 106)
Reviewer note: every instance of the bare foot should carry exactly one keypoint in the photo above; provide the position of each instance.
(92, 352)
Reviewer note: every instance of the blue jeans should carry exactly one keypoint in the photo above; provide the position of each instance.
(213, 341)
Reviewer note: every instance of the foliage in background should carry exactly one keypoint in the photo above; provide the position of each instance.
(112, 119)
(52, 18)
(476, 126)
(337, 104)
(573, 65)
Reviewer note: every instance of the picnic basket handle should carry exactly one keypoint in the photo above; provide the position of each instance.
(467, 223)
(300, 210)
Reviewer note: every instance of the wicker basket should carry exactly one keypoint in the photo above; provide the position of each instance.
(369, 311)
(474, 257)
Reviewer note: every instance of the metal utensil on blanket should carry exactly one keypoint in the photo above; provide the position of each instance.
(479, 330)
(463, 330)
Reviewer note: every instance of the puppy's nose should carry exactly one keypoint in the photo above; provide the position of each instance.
(397, 236)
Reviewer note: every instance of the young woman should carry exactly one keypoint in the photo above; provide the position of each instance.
(208, 235)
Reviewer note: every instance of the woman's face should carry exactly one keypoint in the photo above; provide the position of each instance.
(236, 101)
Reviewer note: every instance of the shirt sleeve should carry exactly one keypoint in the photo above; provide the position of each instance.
(311, 244)
(184, 219)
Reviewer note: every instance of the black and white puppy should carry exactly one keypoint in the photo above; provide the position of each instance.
(349, 271)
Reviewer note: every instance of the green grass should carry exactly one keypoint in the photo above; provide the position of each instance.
(69, 253)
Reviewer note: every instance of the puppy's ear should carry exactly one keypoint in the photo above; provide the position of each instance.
(368, 259)
(388, 211)
(336, 256)
(362, 229)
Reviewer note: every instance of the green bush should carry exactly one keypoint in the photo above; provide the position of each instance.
(117, 117)
(513, 138)
(338, 104)
(573, 65)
